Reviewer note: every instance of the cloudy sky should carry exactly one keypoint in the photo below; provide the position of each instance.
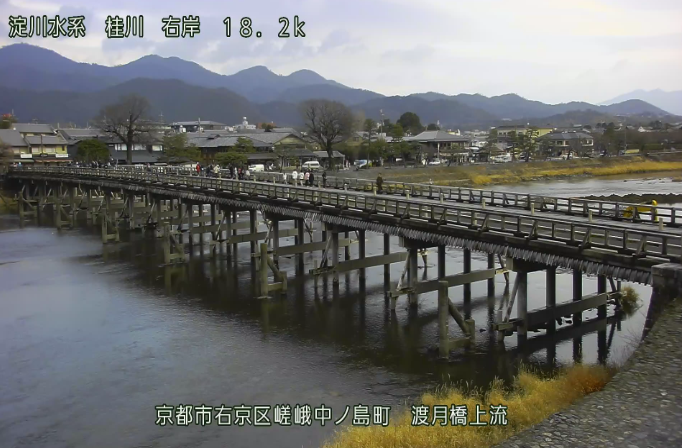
(548, 50)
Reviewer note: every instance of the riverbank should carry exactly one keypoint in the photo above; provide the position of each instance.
(532, 398)
(664, 198)
(640, 407)
(511, 173)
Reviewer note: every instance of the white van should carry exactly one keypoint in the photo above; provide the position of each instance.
(257, 168)
(312, 165)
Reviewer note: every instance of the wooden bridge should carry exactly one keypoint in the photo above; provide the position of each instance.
(516, 234)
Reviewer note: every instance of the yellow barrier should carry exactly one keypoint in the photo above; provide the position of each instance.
(630, 211)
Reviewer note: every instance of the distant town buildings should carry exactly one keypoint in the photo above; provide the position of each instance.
(31, 142)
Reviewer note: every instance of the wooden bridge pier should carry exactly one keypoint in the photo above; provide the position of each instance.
(547, 317)
(28, 205)
(625, 252)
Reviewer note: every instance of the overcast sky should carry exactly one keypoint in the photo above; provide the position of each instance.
(547, 50)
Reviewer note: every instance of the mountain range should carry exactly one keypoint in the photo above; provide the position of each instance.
(41, 84)
(669, 101)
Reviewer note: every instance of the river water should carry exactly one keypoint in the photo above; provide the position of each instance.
(94, 337)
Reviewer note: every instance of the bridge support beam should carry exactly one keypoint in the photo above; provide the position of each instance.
(109, 222)
(387, 250)
(173, 250)
(441, 262)
(466, 253)
(361, 252)
(550, 295)
(491, 281)
(26, 203)
(266, 264)
(447, 309)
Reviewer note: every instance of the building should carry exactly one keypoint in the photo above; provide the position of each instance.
(245, 125)
(48, 148)
(30, 129)
(323, 157)
(13, 140)
(41, 143)
(148, 151)
(505, 133)
(563, 143)
(197, 126)
(441, 144)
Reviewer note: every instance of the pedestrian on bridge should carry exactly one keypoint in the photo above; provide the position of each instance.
(324, 179)
(380, 183)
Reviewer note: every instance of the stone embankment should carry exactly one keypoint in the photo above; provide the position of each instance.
(641, 407)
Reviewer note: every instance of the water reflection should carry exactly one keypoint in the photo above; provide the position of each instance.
(93, 322)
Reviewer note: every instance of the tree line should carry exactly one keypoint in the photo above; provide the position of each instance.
(328, 124)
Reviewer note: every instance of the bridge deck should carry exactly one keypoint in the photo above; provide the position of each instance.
(611, 210)
(623, 250)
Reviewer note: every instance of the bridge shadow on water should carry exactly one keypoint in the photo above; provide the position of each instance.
(353, 318)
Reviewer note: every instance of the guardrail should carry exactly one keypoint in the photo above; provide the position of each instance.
(614, 210)
(650, 242)
(624, 211)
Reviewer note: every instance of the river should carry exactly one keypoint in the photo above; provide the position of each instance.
(94, 337)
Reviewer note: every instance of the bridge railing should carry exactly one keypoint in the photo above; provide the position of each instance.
(619, 211)
(581, 234)
(626, 211)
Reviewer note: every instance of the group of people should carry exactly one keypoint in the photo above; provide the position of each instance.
(306, 178)
(93, 164)
(214, 170)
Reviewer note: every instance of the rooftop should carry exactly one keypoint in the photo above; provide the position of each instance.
(205, 140)
(197, 123)
(82, 133)
(324, 155)
(37, 140)
(11, 137)
(33, 128)
(437, 136)
(566, 136)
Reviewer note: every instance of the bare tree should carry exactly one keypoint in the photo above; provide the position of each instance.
(575, 147)
(127, 120)
(328, 122)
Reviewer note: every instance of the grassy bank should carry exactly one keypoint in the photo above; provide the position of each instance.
(532, 399)
(509, 173)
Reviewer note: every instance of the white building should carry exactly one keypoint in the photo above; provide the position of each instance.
(245, 125)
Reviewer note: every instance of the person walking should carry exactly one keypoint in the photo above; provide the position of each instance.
(380, 183)
(198, 169)
(306, 178)
(294, 176)
(311, 179)
(324, 179)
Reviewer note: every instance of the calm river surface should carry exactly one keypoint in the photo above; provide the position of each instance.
(93, 337)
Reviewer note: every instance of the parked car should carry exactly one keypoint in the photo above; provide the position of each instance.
(502, 158)
(313, 165)
(360, 164)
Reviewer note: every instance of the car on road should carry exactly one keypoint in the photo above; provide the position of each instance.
(435, 162)
(361, 164)
(313, 165)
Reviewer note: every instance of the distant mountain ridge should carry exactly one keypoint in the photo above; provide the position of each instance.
(36, 81)
(179, 101)
(669, 101)
(32, 62)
